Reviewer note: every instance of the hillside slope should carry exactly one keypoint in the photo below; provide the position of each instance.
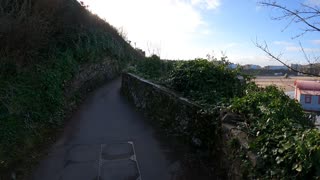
(49, 49)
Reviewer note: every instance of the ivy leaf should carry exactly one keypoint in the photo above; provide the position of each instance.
(279, 159)
(258, 133)
(297, 167)
(286, 146)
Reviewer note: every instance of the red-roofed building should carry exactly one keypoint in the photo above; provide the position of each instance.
(308, 94)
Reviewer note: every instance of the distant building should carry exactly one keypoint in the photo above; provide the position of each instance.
(308, 94)
(233, 66)
(276, 68)
(278, 74)
(251, 66)
(297, 67)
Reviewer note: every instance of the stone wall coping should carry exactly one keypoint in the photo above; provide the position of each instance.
(167, 90)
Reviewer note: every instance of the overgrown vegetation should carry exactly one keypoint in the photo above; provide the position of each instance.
(206, 82)
(284, 137)
(43, 44)
(153, 68)
(282, 134)
(209, 83)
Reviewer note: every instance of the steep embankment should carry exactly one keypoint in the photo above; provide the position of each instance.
(49, 50)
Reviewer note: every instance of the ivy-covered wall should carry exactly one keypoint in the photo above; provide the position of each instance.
(271, 137)
(178, 115)
(185, 120)
(93, 74)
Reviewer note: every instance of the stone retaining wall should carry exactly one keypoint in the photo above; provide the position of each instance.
(87, 78)
(181, 118)
(92, 75)
(176, 115)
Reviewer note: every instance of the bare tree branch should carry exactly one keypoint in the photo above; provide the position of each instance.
(307, 15)
(304, 53)
(265, 49)
(297, 14)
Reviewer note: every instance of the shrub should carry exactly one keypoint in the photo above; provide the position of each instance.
(283, 135)
(206, 82)
(153, 68)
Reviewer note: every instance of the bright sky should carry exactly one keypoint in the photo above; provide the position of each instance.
(187, 29)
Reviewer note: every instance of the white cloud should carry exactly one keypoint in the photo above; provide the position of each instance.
(312, 50)
(207, 4)
(298, 49)
(169, 26)
(231, 45)
(313, 2)
(283, 43)
(258, 8)
(293, 48)
(205, 32)
(316, 41)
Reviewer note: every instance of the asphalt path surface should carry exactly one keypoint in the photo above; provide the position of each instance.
(107, 139)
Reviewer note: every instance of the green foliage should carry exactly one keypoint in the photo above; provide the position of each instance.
(153, 68)
(206, 82)
(209, 83)
(33, 27)
(31, 102)
(269, 102)
(284, 137)
(43, 44)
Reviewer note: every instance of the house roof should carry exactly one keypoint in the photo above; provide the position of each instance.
(309, 92)
(307, 85)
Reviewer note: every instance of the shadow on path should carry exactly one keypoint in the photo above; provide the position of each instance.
(108, 140)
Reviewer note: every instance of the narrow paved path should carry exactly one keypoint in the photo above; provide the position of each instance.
(107, 139)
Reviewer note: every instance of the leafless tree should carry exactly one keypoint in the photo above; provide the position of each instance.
(308, 15)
